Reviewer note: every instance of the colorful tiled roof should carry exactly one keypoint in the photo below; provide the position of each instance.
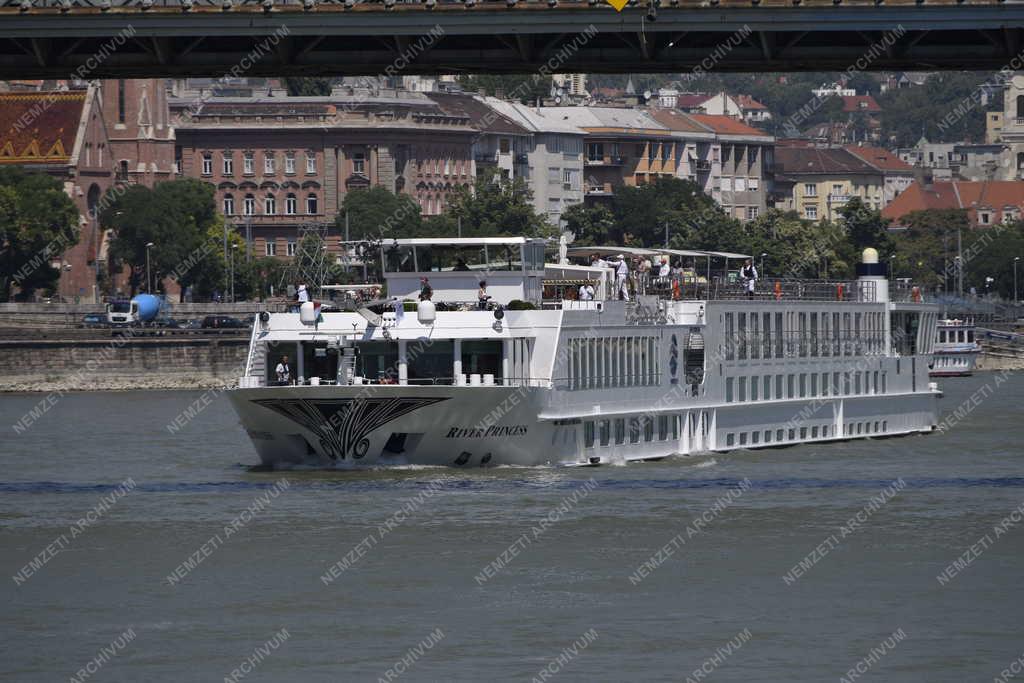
(819, 160)
(993, 195)
(748, 102)
(39, 127)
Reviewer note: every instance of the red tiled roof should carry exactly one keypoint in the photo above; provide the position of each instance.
(994, 195)
(748, 102)
(689, 100)
(853, 103)
(39, 127)
(881, 159)
(726, 124)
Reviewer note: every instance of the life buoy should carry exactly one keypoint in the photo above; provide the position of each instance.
(778, 290)
(839, 292)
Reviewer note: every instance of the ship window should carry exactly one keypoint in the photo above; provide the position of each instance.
(836, 390)
(789, 386)
(814, 334)
(767, 436)
(814, 432)
(588, 434)
(648, 429)
(778, 335)
(814, 384)
(755, 338)
(856, 383)
(875, 384)
(743, 389)
(728, 389)
(755, 437)
(753, 388)
(604, 430)
(431, 364)
(885, 425)
(675, 427)
(620, 431)
(876, 426)
(792, 434)
(743, 438)
(634, 430)
(824, 431)
(766, 394)
(741, 334)
(766, 335)
(662, 427)
(778, 435)
(778, 386)
(970, 336)
(377, 361)
(860, 425)
(846, 384)
(730, 338)
(730, 439)
(802, 321)
(803, 384)
(803, 432)
(482, 356)
(824, 384)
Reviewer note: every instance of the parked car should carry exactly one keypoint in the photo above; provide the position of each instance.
(94, 320)
(222, 322)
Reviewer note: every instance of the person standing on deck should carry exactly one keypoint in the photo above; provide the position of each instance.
(621, 276)
(749, 275)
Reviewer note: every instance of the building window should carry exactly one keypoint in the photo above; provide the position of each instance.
(752, 212)
(595, 151)
(248, 164)
(984, 218)
(811, 212)
(289, 163)
(554, 176)
(207, 163)
(359, 163)
(269, 205)
(311, 205)
(120, 101)
(810, 190)
(290, 248)
(228, 164)
(448, 170)
(268, 163)
(229, 205)
(310, 162)
(504, 145)
(271, 248)
(290, 204)
(249, 205)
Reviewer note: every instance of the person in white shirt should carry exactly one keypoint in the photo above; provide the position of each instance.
(284, 373)
(586, 292)
(303, 294)
(664, 270)
(621, 276)
(749, 275)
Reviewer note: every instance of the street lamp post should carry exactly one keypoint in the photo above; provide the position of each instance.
(234, 250)
(1015, 299)
(149, 288)
(763, 254)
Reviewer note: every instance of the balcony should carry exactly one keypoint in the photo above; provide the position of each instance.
(595, 190)
(838, 198)
(606, 161)
(490, 158)
(700, 165)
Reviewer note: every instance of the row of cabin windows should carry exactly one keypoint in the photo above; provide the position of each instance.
(956, 336)
(227, 160)
(642, 427)
(804, 385)
(270, 205)
(813, 432)
(792, 334)
(758, 437)
(613, 362)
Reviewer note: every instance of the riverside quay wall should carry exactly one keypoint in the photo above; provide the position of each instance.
(121, 362)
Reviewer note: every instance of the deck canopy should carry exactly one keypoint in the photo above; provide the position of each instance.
(512, 267)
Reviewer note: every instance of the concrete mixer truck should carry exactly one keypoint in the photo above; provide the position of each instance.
(142, 309)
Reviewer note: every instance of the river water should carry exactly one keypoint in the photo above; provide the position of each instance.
(128, 553)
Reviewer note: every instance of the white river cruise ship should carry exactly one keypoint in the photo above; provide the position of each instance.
(537, 376)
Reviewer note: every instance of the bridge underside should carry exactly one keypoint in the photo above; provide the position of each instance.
(133, 38)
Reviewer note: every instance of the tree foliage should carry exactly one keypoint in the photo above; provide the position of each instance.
(377, 213)
(304, 86)
(176, 217)
(38, 223)
(493, 207)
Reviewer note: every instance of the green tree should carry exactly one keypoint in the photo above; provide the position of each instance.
(590, 224)
(865, 226)
(943, 109)
(495, 207)
(377, 213)
(302, 86)
(527, 88)
(38, 223)
(926, 247)
(796, 248)
(175, 216)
